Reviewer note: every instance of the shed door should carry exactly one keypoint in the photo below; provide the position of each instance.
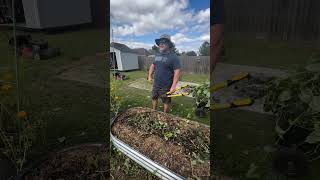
(113, 61)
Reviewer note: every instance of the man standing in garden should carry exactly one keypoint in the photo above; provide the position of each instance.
(166, 68)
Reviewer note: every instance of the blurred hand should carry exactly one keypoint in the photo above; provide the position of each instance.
(172, 89)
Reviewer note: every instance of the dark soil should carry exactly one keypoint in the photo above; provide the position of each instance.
(87, 162)
(178, 144)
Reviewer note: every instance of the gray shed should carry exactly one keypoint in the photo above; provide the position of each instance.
(42, 14)
(123, 58)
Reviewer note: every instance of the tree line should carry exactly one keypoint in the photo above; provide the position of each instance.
(204, 50)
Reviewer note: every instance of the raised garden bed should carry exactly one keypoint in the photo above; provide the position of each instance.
(88, 161)
(176, 143)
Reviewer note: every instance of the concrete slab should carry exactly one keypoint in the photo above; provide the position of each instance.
(89, 70)
(252, 88)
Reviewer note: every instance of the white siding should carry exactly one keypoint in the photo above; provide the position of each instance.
(129, 61)
(56, 13)
(118, 57)
(31, 13)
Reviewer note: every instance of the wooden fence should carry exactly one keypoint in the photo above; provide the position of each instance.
(190, 64)
(280, 19)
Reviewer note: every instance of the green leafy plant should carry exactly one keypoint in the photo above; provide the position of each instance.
(20, 131)
(115, 99)
(295, 101)
(201, 94)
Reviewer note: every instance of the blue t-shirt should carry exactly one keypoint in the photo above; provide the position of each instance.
(165, 64)
(218, 16)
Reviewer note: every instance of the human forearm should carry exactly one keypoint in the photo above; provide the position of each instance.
(151, 70)
(217, 44)
(175, 78)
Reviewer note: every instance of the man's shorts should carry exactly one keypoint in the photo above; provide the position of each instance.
(159, 93)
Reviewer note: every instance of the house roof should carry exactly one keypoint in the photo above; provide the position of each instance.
(121, 47)
(141, 51)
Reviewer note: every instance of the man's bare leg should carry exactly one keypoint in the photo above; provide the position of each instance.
(166, 107)
(154, 104)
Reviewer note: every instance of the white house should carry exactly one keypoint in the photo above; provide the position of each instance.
(123, 58)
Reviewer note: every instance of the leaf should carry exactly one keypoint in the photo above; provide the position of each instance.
(251, 173)
(306, 95)
(246, 152)
(168, 135)
(82, 133)
(285, 95)
(61, 139)
(56, 109)
(193, 162)
(269, 149)
(314, 137)
(189, 116)
(313, 67)
(315, 103)
(279, 130)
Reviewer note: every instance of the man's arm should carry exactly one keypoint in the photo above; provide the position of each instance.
(175, 80)
(151, 70)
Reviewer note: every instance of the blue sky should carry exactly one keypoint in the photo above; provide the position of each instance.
(138, 23)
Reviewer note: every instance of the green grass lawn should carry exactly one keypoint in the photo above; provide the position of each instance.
(70, 109)
(181, 106)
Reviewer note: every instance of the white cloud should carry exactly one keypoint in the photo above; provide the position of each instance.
(146, 16)
(134, 44)
(205, 37)
(203, 16)
(185, 42)
(180, 38)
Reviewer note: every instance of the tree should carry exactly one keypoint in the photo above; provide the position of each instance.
(191, 53)
(154, 49)
(175, 50)
(204, 49)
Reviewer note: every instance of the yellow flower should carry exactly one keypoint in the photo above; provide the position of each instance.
(6, 87)
(22, 115)
(117, 97)
(7, 77)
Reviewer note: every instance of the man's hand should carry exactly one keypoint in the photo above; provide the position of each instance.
(149, 79)
(172, 89)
